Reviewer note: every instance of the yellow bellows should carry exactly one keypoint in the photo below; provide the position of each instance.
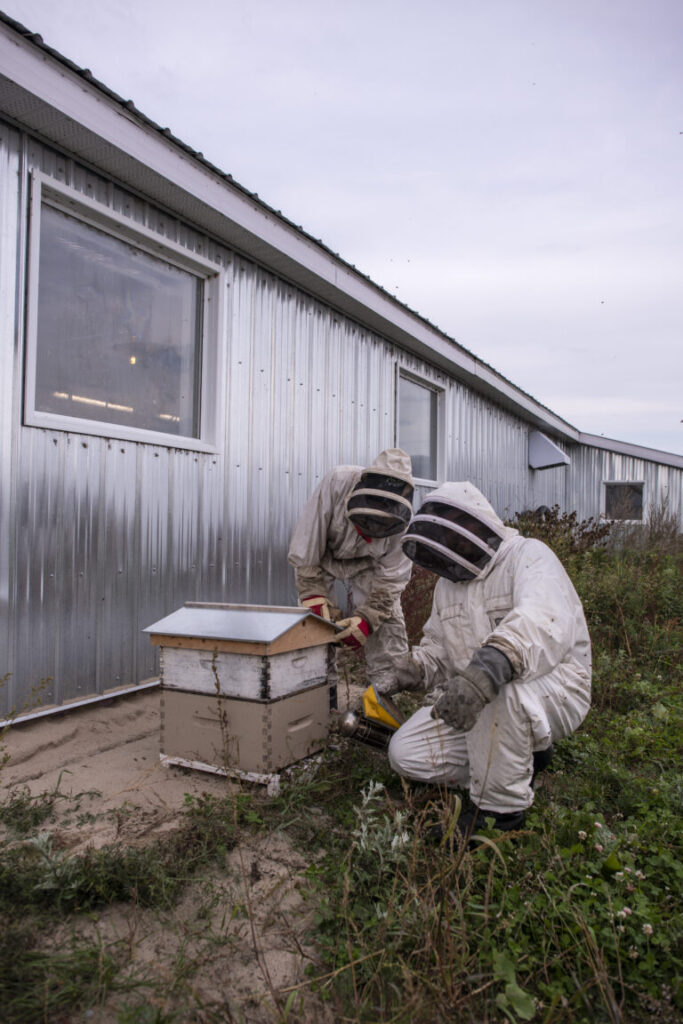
(381, 709)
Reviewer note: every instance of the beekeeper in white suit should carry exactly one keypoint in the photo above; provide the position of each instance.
(505, 653)
(350, 529)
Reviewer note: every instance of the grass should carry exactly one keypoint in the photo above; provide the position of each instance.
(575, 919)
(42, 887)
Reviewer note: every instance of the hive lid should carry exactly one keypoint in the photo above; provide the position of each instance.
(247, 623)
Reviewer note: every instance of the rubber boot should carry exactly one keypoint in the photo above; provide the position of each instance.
(503, 821)
(474, 818)
(542, 759)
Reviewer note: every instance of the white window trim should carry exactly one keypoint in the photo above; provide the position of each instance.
(440, 393)
(603, 500)
(213, 385)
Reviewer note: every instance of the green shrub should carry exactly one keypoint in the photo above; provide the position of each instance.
(564, 532)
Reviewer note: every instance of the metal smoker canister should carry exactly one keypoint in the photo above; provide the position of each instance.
(361, 728)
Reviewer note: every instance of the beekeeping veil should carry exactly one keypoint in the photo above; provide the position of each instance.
(455, 533)
(380, 504)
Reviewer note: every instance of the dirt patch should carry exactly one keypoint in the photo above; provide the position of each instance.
(104, 759)
(234, 946)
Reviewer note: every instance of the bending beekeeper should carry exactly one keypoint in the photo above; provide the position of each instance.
(350, 530)
(505, 658)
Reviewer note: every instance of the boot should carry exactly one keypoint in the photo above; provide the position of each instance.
(503, 821)
(474, 818)
(542, 759)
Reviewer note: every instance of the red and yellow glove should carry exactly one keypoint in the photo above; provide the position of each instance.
(354, 633)
(318, 605)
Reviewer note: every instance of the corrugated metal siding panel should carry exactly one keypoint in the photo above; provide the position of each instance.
(669, 486)
(119, 562)
(307, 390)
(36, 533)
(10, 167)
(549, 487)
(154, 561)
(591, 467)
(490, 449)
(82, 509)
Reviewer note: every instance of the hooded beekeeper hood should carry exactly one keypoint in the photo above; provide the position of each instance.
(380, 504)
(456, 533)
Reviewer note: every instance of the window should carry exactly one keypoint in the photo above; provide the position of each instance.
(624, 501)
(418, 407)
(121, 328)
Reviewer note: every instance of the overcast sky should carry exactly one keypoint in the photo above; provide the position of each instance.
(510, 169)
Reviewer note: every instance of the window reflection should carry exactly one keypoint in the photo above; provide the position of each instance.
(624, 501)
(417, 426)
(118, 331)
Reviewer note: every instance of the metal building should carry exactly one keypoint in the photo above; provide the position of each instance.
(179, 366)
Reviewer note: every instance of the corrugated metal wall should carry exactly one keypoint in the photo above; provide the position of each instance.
(591, 466)
(9, 407)
(99, 538)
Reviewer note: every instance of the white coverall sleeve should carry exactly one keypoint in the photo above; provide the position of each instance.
(309, 541)
(391, 573)
(431, 654)
(546, 617)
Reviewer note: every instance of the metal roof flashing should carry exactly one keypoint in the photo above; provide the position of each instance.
(636, 451)
(246, 624)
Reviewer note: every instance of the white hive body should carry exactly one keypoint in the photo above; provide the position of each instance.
(249, 676)
(244, 687)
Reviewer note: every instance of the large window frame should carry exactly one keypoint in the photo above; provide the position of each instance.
(210, 420)
(638, 485)
(439, 447)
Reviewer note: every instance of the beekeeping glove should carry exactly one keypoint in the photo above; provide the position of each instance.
(406, 674)
(466, 695)
(355, 632)
(318, 605)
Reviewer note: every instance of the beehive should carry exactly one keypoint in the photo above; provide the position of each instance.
(243, 687)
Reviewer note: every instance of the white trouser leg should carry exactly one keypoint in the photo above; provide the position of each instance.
(428, 750)
(495, 758)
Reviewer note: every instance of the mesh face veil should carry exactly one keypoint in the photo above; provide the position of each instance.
(451, 542)
(380, 505)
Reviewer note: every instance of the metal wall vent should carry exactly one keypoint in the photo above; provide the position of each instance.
(544, 453)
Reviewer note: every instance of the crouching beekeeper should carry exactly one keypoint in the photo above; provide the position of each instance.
(350, 530)
(505, 658)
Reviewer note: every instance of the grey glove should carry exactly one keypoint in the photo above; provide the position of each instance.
(406, 674)
(466, 695)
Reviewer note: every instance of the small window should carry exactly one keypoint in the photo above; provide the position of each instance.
(624, 501)
(418, 407)
(118, 326)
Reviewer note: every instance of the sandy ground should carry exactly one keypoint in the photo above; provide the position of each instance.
(105, 756)
(240, 932)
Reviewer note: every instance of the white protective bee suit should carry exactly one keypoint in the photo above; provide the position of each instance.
(326, 546)
(524, 604)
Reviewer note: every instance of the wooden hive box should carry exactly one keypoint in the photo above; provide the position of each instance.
(243, 687)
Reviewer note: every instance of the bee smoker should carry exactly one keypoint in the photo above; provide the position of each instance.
(376, 725)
